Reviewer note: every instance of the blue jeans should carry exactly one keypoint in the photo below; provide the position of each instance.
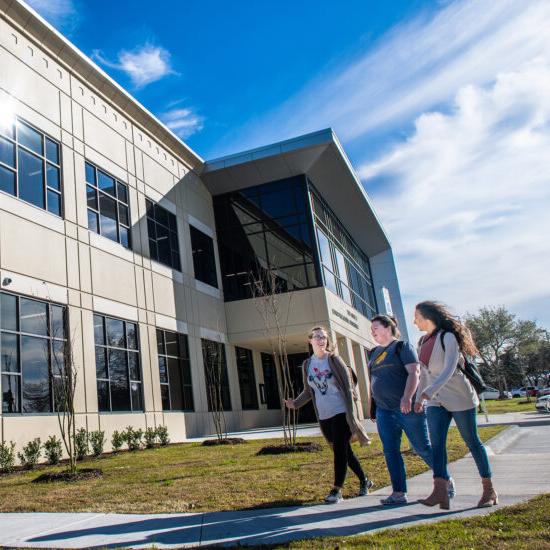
(391, 425)
(439, 419)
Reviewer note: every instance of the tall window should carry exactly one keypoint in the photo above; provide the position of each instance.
(30, 166)
(215, 371)
(204, 261)
(108, 212)
(247, 380)
(270, 381)
(117, 364)
(163, 235)
(32, 353)
(175, 371)
(345, 267)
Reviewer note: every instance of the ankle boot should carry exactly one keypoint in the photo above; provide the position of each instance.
(440, 494)
(489, 496)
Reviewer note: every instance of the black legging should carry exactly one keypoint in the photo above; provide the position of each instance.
(338, 434)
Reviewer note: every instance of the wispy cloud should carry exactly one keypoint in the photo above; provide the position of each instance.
(143, 65)
(417, 65)
(182, 121)
(466, 197)
(60, 13)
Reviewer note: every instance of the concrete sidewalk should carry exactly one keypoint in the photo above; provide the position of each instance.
(526, 444)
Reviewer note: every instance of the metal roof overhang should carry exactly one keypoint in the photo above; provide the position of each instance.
(318, 155)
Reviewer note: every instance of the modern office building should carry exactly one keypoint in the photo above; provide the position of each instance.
(116, 236)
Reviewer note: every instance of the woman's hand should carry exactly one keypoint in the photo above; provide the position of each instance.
(425, 397)
(289, 403)
(406, 405)
(418, 407)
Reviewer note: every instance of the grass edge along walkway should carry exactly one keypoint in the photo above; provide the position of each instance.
(521, 526)
(189, 477)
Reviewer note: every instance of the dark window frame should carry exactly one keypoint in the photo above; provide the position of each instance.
(224, 381)
(204, 267)
(120, 204)
(171, 229)
(183, 362)
(106, 347)
(14, 139)
(247, 378)
(49, 339)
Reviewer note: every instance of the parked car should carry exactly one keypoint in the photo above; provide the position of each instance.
(543, 391)
(525, 391)
(543, 403)
(493, 393)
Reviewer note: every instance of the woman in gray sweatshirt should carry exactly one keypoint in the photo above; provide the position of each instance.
(449, 396)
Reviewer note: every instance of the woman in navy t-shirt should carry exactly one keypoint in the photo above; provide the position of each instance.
(394, 372)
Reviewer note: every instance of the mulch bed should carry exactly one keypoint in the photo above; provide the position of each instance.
(307, 447)
(226, 441)
(80, 475)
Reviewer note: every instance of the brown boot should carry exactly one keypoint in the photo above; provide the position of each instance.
(440, 494)
(489, 496)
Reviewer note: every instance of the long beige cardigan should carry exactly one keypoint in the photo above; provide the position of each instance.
(345, 384)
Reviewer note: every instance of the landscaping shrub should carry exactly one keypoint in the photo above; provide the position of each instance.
(97, 441)
(30, 454)
(53, 449)
(117, 440)
(150, 437)
(162, 435)
(7, 457)
(81, 446)
(133, 438)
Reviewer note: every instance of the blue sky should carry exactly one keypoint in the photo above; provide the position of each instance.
(443, 108)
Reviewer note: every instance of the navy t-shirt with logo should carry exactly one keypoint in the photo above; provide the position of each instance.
(388, 373)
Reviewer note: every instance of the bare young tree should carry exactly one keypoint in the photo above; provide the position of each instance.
(63, 383)
(216, 373)
(274, 306)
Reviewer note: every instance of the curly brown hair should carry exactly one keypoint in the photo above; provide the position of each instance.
(444, 320)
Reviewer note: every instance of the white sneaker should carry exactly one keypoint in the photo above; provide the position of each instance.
(451, 488)
(334, 497)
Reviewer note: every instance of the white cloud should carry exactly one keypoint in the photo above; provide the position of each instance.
(183, 121)
(465, 199)
(61, 13)
(417, 65)
(144, 65)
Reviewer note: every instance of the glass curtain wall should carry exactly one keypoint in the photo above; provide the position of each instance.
(266, 227)
(345, 267)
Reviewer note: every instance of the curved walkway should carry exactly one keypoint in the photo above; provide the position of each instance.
(521, 461)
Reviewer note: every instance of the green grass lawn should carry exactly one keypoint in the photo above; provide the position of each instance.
(524, 526)
(190, 477)
(518, 404)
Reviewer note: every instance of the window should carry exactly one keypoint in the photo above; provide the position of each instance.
(32, 353)
(215, 371)
(163, 235)
(345, 267)
(204, 261)
(30, 166)
(265, 227)
(247, 380)
(175, 371)
(117, 363)
(108, 212)
(270, 380)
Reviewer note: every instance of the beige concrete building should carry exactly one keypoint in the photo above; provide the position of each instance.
(117, 236)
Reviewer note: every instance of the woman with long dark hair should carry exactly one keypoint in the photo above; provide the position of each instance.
(328, 382)
(449, 396)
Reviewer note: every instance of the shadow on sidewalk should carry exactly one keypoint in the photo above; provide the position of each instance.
(262, 527)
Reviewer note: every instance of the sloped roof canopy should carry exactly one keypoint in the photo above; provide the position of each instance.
(318, 155)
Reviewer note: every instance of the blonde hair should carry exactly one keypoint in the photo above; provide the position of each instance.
(330, 347)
